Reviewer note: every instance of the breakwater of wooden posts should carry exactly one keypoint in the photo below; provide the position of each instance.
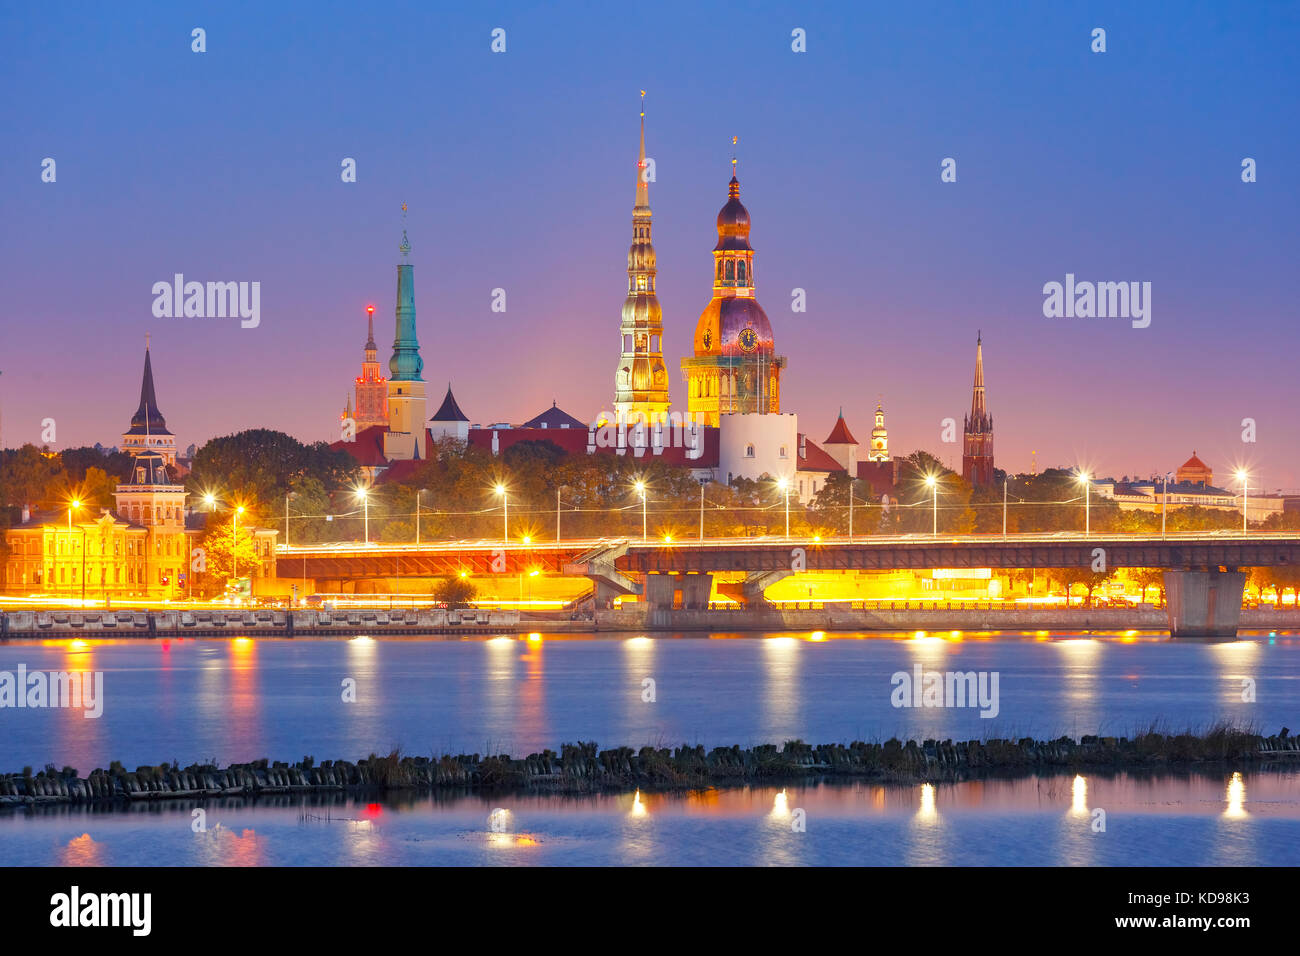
(583, 768)
(257, 622)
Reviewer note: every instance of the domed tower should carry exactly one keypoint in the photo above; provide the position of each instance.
(735, 369)
(641, 381)
(879, 450)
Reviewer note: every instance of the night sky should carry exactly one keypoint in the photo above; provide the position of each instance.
(519, 172)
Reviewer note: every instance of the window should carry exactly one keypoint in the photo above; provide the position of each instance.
(731, 269)
(783, 451)
(749, 451)
(740, 271)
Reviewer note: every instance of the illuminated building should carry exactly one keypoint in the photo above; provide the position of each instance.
(977, 443)
(735, 369)
(1194, 472)
(371, 388)
(641, 381)
(879, 450)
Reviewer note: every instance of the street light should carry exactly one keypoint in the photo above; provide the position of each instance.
(234, 546)
(1087, 501)
(933, 482)
(76, 505)
(1245, 497)
(703, 482)
(505, 512)
(640, 488)
(784, 485)
(364, 497)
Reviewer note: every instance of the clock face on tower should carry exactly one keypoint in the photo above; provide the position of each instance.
(748, 339)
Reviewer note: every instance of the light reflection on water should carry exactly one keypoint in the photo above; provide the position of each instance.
(1166, 819)
(239, 700)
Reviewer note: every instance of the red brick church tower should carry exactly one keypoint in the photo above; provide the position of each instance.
(977, 443)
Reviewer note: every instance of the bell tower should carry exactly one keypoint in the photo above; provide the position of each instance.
(641, 380)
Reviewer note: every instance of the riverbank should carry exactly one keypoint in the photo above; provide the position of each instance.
(582, 768)
(812, 616)
(263, 622)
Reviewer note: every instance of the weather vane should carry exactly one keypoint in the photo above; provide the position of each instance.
(734, 141)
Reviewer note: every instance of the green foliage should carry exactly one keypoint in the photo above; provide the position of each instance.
(454, 592)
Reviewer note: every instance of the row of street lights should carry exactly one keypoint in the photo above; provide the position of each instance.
(783, 484)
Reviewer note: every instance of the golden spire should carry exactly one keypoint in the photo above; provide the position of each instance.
(642, 187)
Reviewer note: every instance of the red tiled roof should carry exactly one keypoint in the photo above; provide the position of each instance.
(368, 449)
(815, 458)
(840, 434)
(1194, 462)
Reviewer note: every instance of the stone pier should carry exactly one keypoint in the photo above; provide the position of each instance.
(1204, 602)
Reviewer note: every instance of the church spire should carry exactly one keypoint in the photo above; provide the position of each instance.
(977, 443)
(641, 380)
(147, 417)
(406, 364)
(642, 186)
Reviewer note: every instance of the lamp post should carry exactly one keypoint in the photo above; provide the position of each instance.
(557, 514)
(417, 515)
(76, 506)
(505, 512)
(1245, 497)
(1164, 502)
(850, 509)
(702, 484)
(784, 485)
(234, 546)
(364, 497)
(640, 488)
(1004, 508)
(933, 482)
(1087, 502)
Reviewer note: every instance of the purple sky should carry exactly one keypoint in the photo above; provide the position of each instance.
(519, 171)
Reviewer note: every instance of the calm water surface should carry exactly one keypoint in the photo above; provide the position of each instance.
(236, 700)
(1190, 820)
(192, 700)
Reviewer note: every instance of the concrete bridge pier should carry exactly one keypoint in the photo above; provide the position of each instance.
(1204, 602)
(660, 591)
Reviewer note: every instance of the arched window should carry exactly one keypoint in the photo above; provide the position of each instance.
(731, 269)
(740, 271)
(749, 451)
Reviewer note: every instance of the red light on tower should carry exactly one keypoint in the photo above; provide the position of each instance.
(370, 310)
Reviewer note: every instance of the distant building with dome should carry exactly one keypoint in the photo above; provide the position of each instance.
(735, 368)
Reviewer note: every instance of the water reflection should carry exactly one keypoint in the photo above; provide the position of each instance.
(781, 685)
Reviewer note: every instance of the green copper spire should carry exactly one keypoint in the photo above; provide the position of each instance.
(406, 364)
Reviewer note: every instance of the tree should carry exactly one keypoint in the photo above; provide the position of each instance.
(454, 592)
(221, 551)
(1147, 578)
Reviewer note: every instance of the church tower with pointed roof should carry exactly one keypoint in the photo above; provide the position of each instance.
(371, 406)
(404, 439)
(977, 441)
(641, 380)
(148, 431)
(735, 369)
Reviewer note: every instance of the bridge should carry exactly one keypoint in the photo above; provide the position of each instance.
(1204, 579)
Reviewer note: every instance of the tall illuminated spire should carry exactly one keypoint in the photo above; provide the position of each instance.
(641, 380)
(977, 442)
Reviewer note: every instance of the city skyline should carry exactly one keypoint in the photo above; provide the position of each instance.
(900, 270)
